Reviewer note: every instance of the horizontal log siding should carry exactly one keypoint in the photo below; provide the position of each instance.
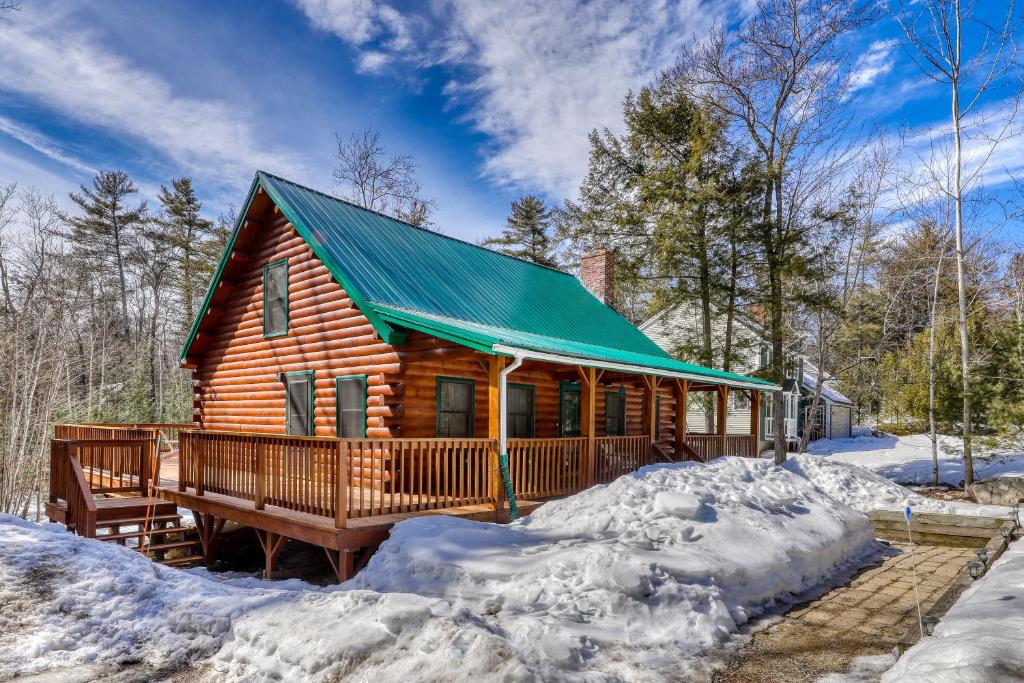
(236, 379)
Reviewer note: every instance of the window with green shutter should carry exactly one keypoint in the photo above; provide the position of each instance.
(350, 397)
(615, 413)
(455, 397)
(275, 299)
(520, 412)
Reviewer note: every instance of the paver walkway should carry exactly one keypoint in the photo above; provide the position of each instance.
(873, 614)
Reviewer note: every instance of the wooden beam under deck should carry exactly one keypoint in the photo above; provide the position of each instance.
(313, 529)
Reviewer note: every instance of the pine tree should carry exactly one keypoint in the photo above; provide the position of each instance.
(187, 233)
(107, 227)
(527, 232)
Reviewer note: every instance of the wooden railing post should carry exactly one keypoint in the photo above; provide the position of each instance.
(341, 487)
(198, 458)
(261, 476)
(184, 458)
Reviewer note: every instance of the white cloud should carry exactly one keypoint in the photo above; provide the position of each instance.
(535, 76)
(372, 61)
(873, 64)
(42, 145)
(47, 58)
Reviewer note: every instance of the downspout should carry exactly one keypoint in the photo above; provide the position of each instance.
(506, 478)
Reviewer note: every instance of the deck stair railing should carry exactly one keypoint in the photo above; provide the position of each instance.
(68, 483)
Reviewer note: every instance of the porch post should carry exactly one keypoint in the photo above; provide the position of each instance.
(588, 419)
(720, 423)
(650, 406)
(495, 365)
(682, 402)
(755, 419)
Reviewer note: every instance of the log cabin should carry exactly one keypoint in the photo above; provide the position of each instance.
(351, 370)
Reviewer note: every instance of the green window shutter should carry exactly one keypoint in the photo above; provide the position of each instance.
(520, 411)
(657, 418)
(299, 403)
(350, 397)
(455, 407)
(275, 299)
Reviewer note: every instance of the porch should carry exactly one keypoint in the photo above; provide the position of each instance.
(343, 495)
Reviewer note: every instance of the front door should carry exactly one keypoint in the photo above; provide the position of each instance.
(790, 401)
(570, 401)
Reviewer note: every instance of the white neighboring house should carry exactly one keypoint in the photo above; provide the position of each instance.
(677, 329)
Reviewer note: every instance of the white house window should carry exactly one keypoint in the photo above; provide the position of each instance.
(769, 423)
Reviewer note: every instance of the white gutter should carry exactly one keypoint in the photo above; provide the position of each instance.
(518, 357)
(522, 354)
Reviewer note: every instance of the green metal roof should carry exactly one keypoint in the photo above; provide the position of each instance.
(408, 277)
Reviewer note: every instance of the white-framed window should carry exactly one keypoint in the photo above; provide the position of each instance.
(769, 423)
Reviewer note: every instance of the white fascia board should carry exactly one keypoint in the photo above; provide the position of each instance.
(625, 367)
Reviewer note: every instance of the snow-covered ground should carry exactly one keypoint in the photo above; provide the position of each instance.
(637, 580)
(979, 639)
(908, 459)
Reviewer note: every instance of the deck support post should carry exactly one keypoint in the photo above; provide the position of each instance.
(722, 417)
(682, 405)
(209, 528)
(497, 486)
(588, 398)
(272, 545)
(342, 562)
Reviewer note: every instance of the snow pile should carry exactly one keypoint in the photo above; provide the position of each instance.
(979, 639)
(863, 490)
(634, 580)
(908, 459)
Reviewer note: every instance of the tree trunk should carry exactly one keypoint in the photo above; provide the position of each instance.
(961, 288)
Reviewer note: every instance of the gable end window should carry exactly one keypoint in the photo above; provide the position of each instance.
(275, 299)
(299, 403)
(455, 409)
(615, 413)
(350, 394)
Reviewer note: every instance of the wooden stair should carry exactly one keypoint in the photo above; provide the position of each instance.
(166, 540)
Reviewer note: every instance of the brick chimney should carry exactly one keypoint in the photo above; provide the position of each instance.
(597, 274)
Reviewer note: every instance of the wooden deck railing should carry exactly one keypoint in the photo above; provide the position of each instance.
(110, 454)
(167, 431)
(615, 456)
(389, 476)
(709, 446)
(544, 468)
(339, 478)
(68, 483)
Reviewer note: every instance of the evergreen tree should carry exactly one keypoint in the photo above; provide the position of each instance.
(104, 231)
(527, 232)
(187, 233)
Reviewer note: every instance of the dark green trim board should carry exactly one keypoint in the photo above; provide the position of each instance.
(266, 271)
(337, 402)
(657, 418)
(566, 387)
(472, 403)
(311, 376)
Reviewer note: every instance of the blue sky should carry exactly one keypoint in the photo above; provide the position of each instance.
(491, 99)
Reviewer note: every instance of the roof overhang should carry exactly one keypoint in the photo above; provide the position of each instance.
(527, 354)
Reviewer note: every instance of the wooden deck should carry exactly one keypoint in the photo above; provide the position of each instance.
(343, 495)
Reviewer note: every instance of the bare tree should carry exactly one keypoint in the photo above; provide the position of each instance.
(781, 83)
(935, 31)
(8, 6)
(380, 182)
